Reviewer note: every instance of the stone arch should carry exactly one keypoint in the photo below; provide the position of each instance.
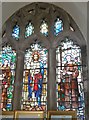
(36, 12)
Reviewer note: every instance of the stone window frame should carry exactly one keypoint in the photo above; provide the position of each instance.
(36, 12)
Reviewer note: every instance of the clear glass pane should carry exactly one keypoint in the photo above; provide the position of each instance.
(44, 28)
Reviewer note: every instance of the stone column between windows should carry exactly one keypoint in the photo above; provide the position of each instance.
(18, 81)
(87, 107)
(51, 86)
(85, 80)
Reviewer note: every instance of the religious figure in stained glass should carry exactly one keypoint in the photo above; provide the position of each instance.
(69, 85)
(7, 65)
(34, 96)
(38, 87)
(69, 78)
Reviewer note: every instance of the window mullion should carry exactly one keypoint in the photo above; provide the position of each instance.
(85, 82)
(18, 81)
(51, 91)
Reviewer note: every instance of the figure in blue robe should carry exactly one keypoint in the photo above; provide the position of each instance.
(29, 87)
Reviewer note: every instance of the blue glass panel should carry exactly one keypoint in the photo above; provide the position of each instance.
(58, 26)
(16, 32)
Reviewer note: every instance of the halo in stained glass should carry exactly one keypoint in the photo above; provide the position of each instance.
(7, 77)
(58, 26)
(44, 28)
(70, 94)
(29, 30)
(16, 32)
(34, 96)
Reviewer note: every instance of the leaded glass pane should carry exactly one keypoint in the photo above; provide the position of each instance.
(58, 26)
(29, 30)
(7, 77)
(16, 32)
(34, 94)
(70, 89)
(44, 28)
(71, 28)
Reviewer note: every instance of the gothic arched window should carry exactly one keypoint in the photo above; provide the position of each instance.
(43, 35)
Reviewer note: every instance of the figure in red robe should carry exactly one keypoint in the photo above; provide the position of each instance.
(38, 87)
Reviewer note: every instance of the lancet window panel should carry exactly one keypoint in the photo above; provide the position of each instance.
(44, 28)
(70, 88)
(58, 26)
(29, 30)
(16, 32)
(34, 93)
(7, 77)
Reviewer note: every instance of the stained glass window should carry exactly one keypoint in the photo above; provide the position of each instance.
(44, 28)
(16, 32)
(70, 88)
(29, 30)
(7, 77)
(34, 93)
(58, 26)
